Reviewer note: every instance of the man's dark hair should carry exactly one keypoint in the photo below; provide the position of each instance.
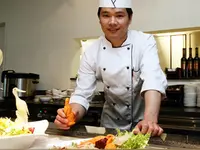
(129, 11)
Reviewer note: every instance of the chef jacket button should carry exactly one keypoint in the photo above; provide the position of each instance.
(114, 104)
(118, 119)
(128, 48)
(108, 87)
(128, 105)
(104, 69)
(127, 88)
(104, 48)
(127, 67)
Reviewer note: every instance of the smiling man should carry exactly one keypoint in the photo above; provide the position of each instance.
(127, 63)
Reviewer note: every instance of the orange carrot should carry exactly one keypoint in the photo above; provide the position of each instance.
(92, 141)
(68, 112)
(110, 146)
(110, 138)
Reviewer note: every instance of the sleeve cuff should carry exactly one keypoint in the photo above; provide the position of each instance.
(152, 86)
(80, 100)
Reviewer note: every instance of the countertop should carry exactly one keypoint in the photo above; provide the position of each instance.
(178, 135)
(172, 141)
(170, 117)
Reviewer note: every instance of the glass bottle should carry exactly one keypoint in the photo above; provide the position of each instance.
(196, 63)
(183, 64)
(190, 64)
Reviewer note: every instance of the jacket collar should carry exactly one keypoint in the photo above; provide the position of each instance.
(126, 42)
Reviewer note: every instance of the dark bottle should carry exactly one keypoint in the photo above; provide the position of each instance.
(190, 64)
(196, 63)
(183, 64)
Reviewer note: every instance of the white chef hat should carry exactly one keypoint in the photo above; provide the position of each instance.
(115, 3)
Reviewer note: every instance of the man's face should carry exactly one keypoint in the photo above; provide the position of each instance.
(114, 22)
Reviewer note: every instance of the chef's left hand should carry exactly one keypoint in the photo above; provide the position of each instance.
(146, 126)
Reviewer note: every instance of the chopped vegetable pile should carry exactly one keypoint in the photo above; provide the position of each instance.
(123, 140)
(10, 128)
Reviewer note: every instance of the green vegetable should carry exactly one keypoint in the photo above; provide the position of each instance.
(128, 140)
(10, 128)
(74, 144)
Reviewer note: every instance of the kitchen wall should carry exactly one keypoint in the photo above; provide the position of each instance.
(42, 35)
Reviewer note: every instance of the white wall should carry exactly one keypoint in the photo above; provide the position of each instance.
(40, 34)
(41, 38)
(151, 15)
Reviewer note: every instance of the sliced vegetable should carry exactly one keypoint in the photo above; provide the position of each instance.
(68, 112)
(10, 128)
(31, 129)
(128, 140)
(123, 140)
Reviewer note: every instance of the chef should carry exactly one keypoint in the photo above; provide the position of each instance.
(127, 63)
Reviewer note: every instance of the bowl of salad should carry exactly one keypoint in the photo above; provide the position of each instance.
(20, 136)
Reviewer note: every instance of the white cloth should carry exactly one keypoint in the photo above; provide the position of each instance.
(1, 57)
(115, 3)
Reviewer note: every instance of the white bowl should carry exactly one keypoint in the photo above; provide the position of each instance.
(45, 99)
(18, 142)
(24, 141)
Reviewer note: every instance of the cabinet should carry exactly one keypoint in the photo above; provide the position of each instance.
(171, 43)
(170, 50)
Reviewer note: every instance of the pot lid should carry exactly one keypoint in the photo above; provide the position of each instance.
(22, 75)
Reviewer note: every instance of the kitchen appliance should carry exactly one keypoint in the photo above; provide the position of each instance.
(174, 96)
(174, 73)
(23, 81)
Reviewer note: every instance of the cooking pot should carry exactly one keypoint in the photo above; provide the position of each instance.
(23, 81)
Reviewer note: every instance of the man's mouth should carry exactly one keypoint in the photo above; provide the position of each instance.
(113, 30)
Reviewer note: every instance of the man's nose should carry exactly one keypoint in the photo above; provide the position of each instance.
(113, 21)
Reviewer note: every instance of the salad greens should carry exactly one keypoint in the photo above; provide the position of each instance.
(123, 140)
(10, 128)
(128, 140)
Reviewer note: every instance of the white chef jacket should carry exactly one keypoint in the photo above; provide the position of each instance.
(126, 73)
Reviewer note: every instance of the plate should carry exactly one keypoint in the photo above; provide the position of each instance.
(61, 143)
(24, 141)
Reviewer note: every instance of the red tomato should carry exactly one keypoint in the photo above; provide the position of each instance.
(31, 129)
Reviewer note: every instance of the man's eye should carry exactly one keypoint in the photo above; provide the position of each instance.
(105, 15)
(120, 16)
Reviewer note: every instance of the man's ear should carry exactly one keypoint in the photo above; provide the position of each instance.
(131, 17)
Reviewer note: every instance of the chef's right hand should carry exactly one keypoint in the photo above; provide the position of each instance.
(61, 120)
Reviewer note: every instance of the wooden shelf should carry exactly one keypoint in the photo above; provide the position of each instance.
(182, 81)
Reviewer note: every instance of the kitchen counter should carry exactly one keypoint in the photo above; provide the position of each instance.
(177, 118)
(181, 125)
(172, 141)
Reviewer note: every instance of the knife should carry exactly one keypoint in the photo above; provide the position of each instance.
(95, 130)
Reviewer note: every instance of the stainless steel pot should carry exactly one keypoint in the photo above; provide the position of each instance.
(23, 81)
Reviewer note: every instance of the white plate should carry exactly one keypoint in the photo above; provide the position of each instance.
(26, 140)
(61, 143)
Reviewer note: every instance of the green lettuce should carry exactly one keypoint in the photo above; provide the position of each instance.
(128, 140)
(10, 128)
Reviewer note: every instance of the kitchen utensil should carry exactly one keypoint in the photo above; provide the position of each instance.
(95, 130)
(23, 81)
(45, 99)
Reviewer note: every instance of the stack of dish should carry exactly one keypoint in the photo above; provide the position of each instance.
(198, 95)
(190, 95)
